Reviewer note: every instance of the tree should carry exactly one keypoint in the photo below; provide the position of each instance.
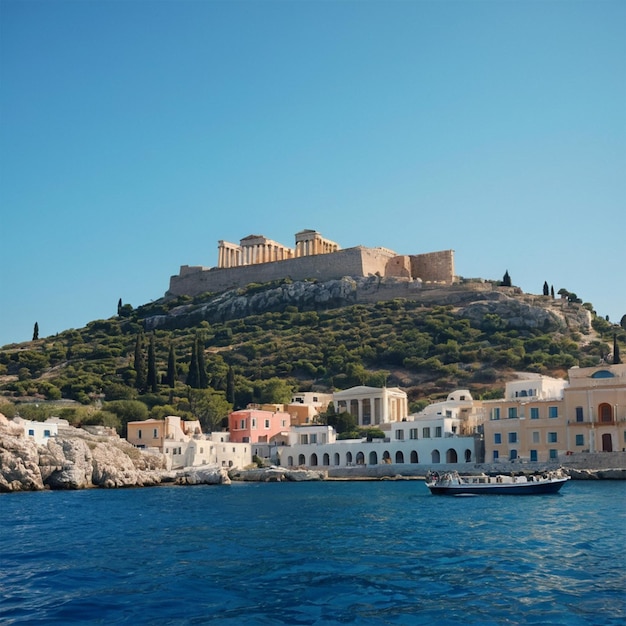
(546, 289)
(193, 376)
(230, 385)
(203, 381)
(119, 306)
(552, 292)
(152, 372)
(209, 407)
(139, 365)
(36, 332)
(622, 322)
(616, 359)
(170, 379)
(506, 279)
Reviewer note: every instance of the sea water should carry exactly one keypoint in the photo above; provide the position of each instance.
(313, 553)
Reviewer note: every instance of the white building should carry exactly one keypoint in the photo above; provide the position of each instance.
(372, 406)
(40, 432)
(442, 433)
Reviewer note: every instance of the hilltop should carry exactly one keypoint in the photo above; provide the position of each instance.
(204, 355)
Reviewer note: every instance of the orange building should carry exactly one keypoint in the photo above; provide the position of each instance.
(257, 426)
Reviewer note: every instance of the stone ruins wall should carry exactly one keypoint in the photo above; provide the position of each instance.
(358, 261)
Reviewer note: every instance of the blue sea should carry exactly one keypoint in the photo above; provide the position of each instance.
(313, 553)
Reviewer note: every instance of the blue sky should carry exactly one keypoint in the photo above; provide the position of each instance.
(136, 134)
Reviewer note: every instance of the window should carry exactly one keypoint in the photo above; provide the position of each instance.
(534, 413)
(139, 434)
(552, 438)
(304, 439)
(155, 433)
(512, 412)
(267, 423)
(579, 413)
(497, 438)
(495, 415)
(313, 438)
(284, 423)
(535, 436)
(512, 455)
(512, 437)
(426, 432)
(242, 424)
(533, 456)
(438, 431)
(31, 432)
(46, 433)
(554, 454)
(496, 455)
(553, 411)
(580, 440)
(399, 434)
(413, 433)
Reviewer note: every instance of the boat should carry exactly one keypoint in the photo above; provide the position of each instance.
(455, 484)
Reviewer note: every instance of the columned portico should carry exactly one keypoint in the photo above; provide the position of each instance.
(372, 406)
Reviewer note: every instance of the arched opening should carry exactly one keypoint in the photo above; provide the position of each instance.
(468, 456)
(348, 458)
(313, 462)
(326, 459)
(289, 461)
(336, 458)
(399, 457)
(414, 457)
(607, 442)
(373, 458)
(451, 456)
(605, 412)
(386, 457)
(301, 459)
(360, 458)
(435, 457)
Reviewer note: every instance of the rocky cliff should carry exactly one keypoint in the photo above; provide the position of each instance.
(77, 460)
(472, 300)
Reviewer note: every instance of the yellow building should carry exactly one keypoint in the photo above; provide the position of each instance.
(546, 419)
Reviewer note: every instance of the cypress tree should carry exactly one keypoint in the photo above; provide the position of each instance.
(171, 368)
(152, 372)
(230, 385)
(140, 365)
(36, 332)
(546, 289)
(119, 306)
(506, 279)
(616, 357)
(552, 292)
(203, 380)
(193, 376)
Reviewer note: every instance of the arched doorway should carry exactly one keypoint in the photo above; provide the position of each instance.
(607, 442)
(336, 458)
(289, 461)
(313, 462)
(435, 457)
(360, 458)
(326, 459)
(373, 458)
(451, 456)
(414, 458)
(348, 458)
(468, 456)
(301, 460)
(399, 457)
(386, 457)
(605, 413)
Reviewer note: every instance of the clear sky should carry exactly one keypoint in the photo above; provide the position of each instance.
(136, 134)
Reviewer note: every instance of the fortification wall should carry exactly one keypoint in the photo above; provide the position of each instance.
(436, 267)
(356, 261)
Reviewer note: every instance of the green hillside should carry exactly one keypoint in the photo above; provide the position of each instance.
(117, 369)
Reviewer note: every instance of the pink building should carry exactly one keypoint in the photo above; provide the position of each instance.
(256, 426)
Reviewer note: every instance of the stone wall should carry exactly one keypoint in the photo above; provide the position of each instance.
(434, 266)
(357, 262)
